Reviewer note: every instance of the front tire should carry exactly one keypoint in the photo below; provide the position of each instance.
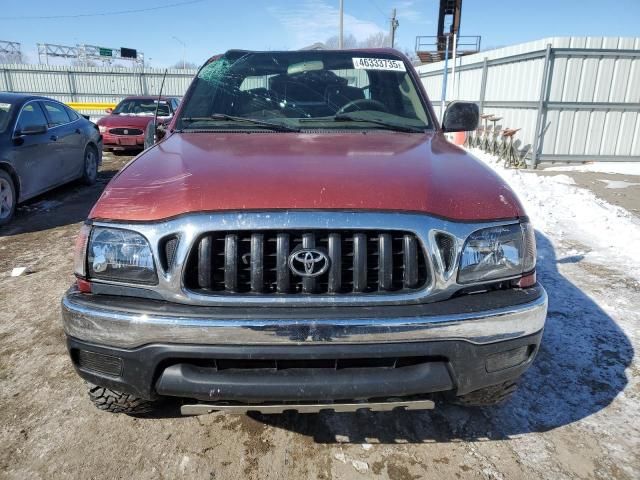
(489, 396)
(90, 171)
(113, 401)
(8, 198)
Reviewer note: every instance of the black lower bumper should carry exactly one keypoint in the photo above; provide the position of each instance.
(303, 372)
(304, 384)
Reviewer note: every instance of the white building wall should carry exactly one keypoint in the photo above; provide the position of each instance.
(592, 101)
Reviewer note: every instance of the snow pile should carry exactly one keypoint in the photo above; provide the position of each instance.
(584, 381)
(601, 232)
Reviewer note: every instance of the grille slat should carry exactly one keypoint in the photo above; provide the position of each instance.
(205, 262)
(335, 271)
(231, 262)
(385, 262)
(282, 267)
(410, 250)
(257, 262)
(359, 262)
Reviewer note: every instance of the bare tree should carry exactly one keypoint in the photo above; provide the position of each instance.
(349, 42)
(411, 55)
(84, 63)
(12, 58)
(186, 66)
(376, 40)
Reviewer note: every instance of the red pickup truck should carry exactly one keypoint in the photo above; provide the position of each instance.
(303, 238)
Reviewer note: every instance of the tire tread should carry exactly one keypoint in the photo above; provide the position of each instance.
(117, 402)
(485, 397)
(4, 174)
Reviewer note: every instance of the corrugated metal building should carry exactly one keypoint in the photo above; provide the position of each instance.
(576, 98)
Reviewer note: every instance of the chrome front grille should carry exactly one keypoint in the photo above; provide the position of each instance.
(126, 131)
(179, 252)
(258, 262)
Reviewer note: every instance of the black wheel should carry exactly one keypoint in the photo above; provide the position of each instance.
(117, 402)
(8, 198)
(488, 396)
(90, 172)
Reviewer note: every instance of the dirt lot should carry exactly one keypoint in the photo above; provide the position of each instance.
(576, 415)
(620, 190)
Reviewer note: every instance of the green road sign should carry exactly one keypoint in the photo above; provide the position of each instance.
(106, 52)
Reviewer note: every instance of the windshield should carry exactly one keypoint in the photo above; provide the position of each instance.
(4, 116)
(304, 90)
(142, 107)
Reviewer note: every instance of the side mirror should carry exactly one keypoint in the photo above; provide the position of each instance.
(109, 110)
(32, 130)
(461, 117)
(154, 133)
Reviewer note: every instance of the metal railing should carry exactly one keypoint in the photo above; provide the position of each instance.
(434, 44)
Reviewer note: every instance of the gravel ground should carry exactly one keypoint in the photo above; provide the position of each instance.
(575, 416)
(617, 189)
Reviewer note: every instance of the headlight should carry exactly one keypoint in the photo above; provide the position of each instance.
(498, 252)
(80, 256)
(102, 128)
(120, 255)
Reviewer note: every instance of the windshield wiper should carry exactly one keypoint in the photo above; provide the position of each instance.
(217, 117)
(345, 117)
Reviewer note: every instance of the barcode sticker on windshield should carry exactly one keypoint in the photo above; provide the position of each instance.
(378, 64)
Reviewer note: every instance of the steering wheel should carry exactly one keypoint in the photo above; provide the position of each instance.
(362, 104)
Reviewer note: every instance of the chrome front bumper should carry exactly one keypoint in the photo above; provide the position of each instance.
(128, 323)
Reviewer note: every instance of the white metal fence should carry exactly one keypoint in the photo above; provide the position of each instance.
(91, 84)
(576, 99)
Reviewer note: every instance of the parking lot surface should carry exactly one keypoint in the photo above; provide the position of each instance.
(575, 416)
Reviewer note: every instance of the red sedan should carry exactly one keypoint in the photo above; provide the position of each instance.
(124, 127)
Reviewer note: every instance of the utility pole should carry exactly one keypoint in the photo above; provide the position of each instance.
(341, 37)
(392, 28)
(184, 51)
(445, 75)
(453, 69)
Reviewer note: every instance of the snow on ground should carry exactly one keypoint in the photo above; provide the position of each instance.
(603, 233)
(624, 168)
(584, 384)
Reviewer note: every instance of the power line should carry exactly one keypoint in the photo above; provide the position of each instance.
(385, 15)
(103, 14)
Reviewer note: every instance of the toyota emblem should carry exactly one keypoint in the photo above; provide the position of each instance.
(308, 262)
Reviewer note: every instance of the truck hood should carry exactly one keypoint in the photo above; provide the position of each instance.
(375, 171)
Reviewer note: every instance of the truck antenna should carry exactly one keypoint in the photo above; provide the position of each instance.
(155, 116)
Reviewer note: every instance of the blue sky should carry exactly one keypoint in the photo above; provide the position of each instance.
(213, 26)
